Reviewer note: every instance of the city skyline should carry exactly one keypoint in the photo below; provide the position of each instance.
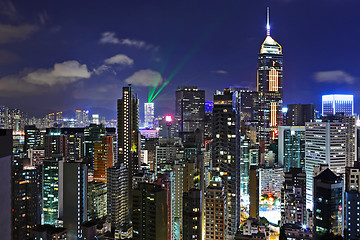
(80, 67)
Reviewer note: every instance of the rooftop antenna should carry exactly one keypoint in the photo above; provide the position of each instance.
(268, 23)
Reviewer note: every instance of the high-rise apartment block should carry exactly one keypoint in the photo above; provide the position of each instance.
(226, 152)
(149, 212)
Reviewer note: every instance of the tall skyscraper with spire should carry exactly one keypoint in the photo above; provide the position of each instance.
(269, 86)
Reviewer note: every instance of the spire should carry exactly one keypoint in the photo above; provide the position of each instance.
(268, 23)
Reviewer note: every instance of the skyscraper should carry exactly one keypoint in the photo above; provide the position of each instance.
(149, 115)
(225, 152)
(270, 88)
(324, 145)
(190, 108)
(337, 103)
(328, 203)
(299, 114)
(291, 150)
(128, 139)
(103, 158)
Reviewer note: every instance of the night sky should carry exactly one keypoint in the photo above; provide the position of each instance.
(64, 55)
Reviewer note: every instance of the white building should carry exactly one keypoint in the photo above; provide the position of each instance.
(325, 144)
(149, 115)
(337, 103)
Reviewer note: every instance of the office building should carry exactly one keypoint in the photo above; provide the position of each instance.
(325, 144)
(33, 138)
(337, 103)
(190, 109)
(149, 115)
(270, 89)
(291, 147)
(92, 134)
(103, 158)
(73, 198)
(351, 214)
(149, 212)
(6, 178)
(55, 144)
(299, 114)
(50, 191)
(328, 204)
(128, 137)
(176, 176)
(4, 117)
(226, 152)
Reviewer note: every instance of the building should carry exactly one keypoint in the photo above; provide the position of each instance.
(117, 196)
(103, 158)
(73, 197)
(97, 200)
(270, 89)
(271, 180)
(128, 138)
(294, 231)
(55, 144)
(351, 214)
(82, 118)
(254, 192)
(215, 211)
(50, 191)
(293, 197)
(149, 115)
(352, 178)
(337, 103)
(33, 138)
(190, 109)
(291, 150)
(299, 114)
(92, 134)
(325, 144)
(177, 190)
(149, 212)
(6, 178)
(25, 199)
(328, 204)
(226, 152)
(192, 215)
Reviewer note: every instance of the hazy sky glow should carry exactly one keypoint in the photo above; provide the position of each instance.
(63, 55)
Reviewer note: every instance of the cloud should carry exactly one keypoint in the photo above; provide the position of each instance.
(38, 81)
(120, 59)
(8, 10)
(110, 38)
(337, 76)
(62, 73)
(7, 57)
(10, 33)
(220, 72)
(145, 78)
